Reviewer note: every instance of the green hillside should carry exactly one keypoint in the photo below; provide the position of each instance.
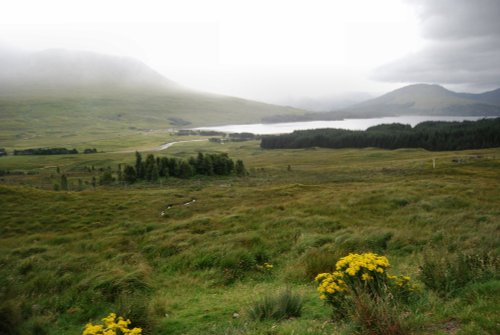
(73, 119)
(65, 98)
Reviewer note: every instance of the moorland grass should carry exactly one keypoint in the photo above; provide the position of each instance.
(72, 257)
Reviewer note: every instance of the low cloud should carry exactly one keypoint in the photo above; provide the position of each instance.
(463, 46)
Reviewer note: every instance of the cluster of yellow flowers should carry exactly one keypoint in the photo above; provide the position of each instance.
(366, 270)
(330, 283)
(358, 274)
(111, 326)
(268, 266)
(403, 282)
(265, 267)
(354, 264)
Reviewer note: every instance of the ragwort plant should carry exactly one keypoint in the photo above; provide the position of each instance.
(359, 277)
(112, 326)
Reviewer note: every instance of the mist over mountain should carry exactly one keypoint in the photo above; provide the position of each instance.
(57, 69)
(328, 103)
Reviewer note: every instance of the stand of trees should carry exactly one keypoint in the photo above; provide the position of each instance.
(192, 132)
(429, 135)
(50, 151)
(154, 168)
(46, 151)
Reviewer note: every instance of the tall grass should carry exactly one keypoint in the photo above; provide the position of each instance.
(283, 305)
(378, 315)
(446, 274)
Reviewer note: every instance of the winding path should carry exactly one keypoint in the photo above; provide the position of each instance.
(169, 144)
(161, 147)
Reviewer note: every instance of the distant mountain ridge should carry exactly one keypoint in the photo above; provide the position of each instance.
(415, 100)
(491, 97)
(426, 99)
(327, 103)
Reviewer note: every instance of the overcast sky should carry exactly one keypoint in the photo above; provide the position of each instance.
(274, 50)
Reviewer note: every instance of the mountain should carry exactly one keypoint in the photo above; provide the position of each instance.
(491, 97)
(82, 94)
(64, 70)
(424, 99)
(328, 102)
(417, 99)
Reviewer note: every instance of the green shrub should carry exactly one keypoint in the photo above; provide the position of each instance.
(445, 275)
(283, 305)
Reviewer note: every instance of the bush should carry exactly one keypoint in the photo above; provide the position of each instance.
(446, 275)
(362, 289)
(284, 305)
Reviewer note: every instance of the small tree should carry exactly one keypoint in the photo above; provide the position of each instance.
(80, 185)
(155, 175)
(120, 173)
(240, 168)
(185, 170)
(149, 168)
(139, 166)
(106, 178)
(64, 183)
(129, 175)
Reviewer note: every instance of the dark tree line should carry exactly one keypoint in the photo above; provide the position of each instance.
(46, 151)
(153, 168)
(192, 132)
(429, 135)
(51, 151)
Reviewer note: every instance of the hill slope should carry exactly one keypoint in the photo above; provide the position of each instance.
(491, 97)
(423, 99)
(68, 93)
(418, 99)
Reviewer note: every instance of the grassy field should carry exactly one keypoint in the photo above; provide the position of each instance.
(68, 258)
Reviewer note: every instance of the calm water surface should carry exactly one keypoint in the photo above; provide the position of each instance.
(352, 124)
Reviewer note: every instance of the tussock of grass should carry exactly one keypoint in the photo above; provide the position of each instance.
(283, 305)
